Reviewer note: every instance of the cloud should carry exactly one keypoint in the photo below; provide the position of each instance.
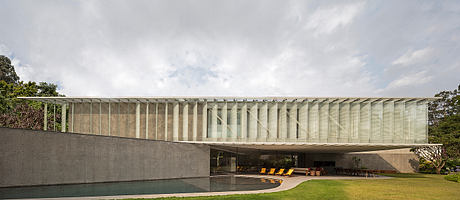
(412, 57)
(255, 48)
(410, 80)
(326, 20)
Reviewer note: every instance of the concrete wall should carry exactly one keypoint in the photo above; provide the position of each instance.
(400, 160)
(30, 157)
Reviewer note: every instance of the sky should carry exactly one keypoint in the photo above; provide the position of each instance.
(235, 48)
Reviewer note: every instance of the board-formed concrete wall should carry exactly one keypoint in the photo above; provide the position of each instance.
(29, 157)
(400, 160)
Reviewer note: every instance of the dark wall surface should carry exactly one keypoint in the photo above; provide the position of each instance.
(29, 157)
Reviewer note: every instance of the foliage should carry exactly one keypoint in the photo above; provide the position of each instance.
(7, 72)
(435, 155)
(447, 132)
(356, 162)
(19, 113)
(453, 165)
(444, 122)
(453, 177)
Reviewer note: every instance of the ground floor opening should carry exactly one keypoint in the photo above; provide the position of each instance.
(234, 160)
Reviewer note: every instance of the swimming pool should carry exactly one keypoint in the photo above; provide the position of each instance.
(188, 185)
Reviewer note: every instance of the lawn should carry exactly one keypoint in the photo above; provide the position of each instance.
(403, 186)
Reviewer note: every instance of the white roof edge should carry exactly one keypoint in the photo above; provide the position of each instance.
(309, 143)
(209, 98)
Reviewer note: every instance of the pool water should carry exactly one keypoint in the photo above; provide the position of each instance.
(188, 185)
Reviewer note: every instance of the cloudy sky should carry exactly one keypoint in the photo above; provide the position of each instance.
(241, 48)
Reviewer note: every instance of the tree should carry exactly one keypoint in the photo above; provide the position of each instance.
(19, 113)
(447, 132)
(47, 90)
(436, 155)
(444, 122)
(7, 72)
(448, 105)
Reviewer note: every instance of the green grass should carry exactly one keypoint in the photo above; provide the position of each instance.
(403, 186)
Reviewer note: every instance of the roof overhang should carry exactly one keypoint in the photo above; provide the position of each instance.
(308, 147)
(62, 100)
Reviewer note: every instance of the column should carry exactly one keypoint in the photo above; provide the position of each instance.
(156, 121)
(303, 121)
(293, 122)
(138, 119)
(166, 121)
(263, 120)
(146, 120)
(109, 117)
(54, 116)
(283, 122)
(205, 121)
(73, 116)
(253, 121)
(273, 121)
(234, 121)
(100, 118)
(185, 122)
(176, 121)
(195, 121)
(63, 117)
(244, 124)
(224, 122)
(213, 133)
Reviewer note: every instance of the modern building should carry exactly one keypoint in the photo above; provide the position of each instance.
(327, 132)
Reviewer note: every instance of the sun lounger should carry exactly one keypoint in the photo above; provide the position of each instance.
(280, 172)
(263, 171)
(272, 171)
(289, 173)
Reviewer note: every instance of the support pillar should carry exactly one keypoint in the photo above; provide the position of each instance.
(185, 122)
(147, 120)
(73, 116)
(45, 117)
(63, 118)
(293, 122)
(138, 120)
(175, 121)
(253, 122)
(244, 120)
(224, 124)
(263, 120)
(283, 122)
(233, 121)
(195, 121)
(273, 122)
(213, 132)
(204, 121)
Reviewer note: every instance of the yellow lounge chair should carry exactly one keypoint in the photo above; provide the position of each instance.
(289, 173)
(263, 171)
(280, 172)
(272, 171)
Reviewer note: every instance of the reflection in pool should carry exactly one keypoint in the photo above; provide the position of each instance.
(212, 184)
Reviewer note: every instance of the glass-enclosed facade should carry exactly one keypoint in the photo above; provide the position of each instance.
(334, 120)
(341, 121)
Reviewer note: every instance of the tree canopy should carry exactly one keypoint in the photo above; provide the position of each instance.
(18, 113)
(7, 72)
(444, 122)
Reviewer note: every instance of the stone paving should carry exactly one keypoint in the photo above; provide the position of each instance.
(287, 183)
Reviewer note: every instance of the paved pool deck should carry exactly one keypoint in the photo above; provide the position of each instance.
(287, 183)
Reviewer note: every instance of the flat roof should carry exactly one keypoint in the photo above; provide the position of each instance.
(306, 147)
(80, 99)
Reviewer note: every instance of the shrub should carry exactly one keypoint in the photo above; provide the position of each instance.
(453, 177)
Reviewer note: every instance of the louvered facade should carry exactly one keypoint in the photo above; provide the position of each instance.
(242, 120)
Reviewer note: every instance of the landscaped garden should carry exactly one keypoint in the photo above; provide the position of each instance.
(402, 186)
